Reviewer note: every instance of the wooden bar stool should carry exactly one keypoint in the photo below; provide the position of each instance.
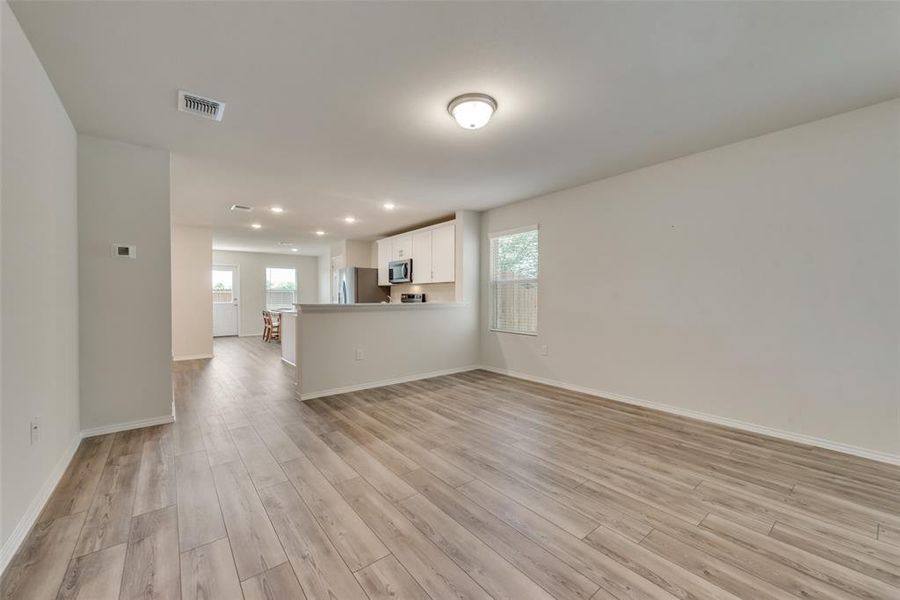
(271, 326)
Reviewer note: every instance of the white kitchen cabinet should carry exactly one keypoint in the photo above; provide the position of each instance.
(422, 256)
(401, 247)
(432, 250)
(443, 254)
(385, 250)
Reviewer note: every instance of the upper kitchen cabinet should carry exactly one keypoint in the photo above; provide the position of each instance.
(432, 250)
(401, 247)
(443, 254)
(422, 257)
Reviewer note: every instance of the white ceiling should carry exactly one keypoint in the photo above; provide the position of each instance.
(334, 108)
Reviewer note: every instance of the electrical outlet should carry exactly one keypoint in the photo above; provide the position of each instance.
(35, 427)
(360, 354)
(545, 350)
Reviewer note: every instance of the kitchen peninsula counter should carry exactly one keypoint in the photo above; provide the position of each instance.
(347, 347)
(377, 306)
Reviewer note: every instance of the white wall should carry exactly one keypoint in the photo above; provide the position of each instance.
(39, 281)
(252, 273)
(358, 253)
(191, 292)
(468, 256)
(757, 282)
(125, 304)
(324, 266)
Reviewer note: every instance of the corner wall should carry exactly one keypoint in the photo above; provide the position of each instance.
(192, 329)
(324, 278)
(756, 284)
(38, 286)
(125, 305)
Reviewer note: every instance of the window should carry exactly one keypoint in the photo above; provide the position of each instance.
(281, 288)
(223, 286)
(514, 281)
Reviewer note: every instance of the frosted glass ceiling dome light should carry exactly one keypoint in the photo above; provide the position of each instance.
(472, 111)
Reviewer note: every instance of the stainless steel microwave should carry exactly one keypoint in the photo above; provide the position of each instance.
(400, 271)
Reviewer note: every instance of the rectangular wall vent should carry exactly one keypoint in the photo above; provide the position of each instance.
(200, 106)
(241, 207)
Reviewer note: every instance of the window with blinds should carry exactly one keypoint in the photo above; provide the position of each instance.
(281, 288)
(514, 281)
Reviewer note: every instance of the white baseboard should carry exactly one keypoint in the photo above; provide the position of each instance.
(286, 361)
(192, 357)
(709, 418)
(94, 431)
(11, 545)
(383, 382)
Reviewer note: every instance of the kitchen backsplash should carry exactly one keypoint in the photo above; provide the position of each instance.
(434, 292)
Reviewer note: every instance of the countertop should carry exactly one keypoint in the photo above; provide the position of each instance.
(377, 306)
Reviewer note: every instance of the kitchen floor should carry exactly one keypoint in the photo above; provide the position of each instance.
(466, 486)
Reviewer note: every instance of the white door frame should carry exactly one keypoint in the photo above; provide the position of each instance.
(236, 284)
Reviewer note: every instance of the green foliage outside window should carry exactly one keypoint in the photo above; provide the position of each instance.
(517, 256)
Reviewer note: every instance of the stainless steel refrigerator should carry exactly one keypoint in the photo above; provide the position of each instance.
(359, 284)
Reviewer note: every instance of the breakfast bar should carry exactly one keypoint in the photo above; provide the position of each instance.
(346, 347)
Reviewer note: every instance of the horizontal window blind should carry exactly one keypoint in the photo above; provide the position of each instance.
(281, 288)
(280, 299)
(514, 282)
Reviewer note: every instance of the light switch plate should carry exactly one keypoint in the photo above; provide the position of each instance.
(124, 251)
(35, 427)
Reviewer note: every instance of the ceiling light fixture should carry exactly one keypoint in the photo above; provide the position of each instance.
(389, 206)
(277, 210)
(472, 111)
(295, 249)
(320, 232)
(255, 225)
(350, 219)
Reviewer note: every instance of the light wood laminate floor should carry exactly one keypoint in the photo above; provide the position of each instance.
(466, 486)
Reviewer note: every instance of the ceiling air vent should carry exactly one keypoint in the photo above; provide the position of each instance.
(241, 207)
(200, 106)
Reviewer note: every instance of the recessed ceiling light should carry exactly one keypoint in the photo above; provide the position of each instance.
(255, 225)
(350, 219)
(472, 111)
(389, 206)
(295, 249)
(320, 232)
(277, 209)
